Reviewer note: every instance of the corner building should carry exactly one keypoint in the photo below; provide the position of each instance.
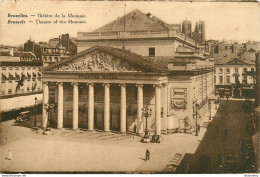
(123, 66)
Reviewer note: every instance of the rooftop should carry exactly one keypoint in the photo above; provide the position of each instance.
(135, 21)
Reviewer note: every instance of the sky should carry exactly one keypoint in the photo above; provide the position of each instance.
(238, 21)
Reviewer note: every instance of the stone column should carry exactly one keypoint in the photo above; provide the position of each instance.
(75, 121)
(45, 101)
(140, 104)
(157, 109)
(106, 107)
(90, 106)
(123, 109)
(60, 105)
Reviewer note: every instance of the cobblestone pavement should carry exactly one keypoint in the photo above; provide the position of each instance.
(232, 118)
(84, 151)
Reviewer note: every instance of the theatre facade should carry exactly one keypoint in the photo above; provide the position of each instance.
(106, 88)
(118, 71)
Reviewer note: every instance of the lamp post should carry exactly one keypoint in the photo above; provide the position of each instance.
(35, 110)
(147, 112)
(209, 110)
(195, 114)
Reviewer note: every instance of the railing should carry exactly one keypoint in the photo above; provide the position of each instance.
(133, 34)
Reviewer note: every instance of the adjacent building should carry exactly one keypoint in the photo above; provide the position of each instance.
(20, 76)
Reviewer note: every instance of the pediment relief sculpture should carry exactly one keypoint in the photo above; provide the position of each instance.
(98, 61)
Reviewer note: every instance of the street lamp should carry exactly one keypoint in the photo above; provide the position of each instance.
(195, 114)
(35, 110)
(147, 112)
(209, 110)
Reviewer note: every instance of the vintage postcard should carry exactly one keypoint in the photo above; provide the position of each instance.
(129, 87)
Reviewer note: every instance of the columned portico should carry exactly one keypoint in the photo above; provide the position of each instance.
(157, 109)
(90, 106)
(75, 106)
(140, 126)
(45, 101)
(98, 105)
(60, 105)
(123, 109)
(106, 107)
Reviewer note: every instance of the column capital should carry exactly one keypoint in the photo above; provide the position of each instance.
(59, 83)
(139, 85)
(164, 84)
(74, 83)
(45, 82)
(90, 84)
(157, 85)
(106, 84)
(122, 85)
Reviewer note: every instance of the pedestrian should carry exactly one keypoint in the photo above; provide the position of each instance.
(10, 156)
(226, 132)
(217, 127)
(147, 155)
(227, 98)
(198, 127)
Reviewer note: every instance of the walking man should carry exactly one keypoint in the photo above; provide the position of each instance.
(226, 132)
(10, 156)
(217, 127)
(198, 127)
(147, 155)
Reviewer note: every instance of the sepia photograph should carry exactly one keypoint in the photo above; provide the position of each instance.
(129, 87)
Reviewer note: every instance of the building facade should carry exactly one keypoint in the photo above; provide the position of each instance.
(119, 70)
(20, 73)
(232, 79)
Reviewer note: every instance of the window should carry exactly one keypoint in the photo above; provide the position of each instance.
(151, 51)
(227, 70)
(17, 68)
(220, 70)
(45, 58)
(56, 59)
(227, 79)
(252, 69)
(221, 79)
(33, 79)
(4, 68)
(28, 89)
(23, 67)
(9, 91)
(245, 70)
(215, 80)
(10, 82)
(11, 67)
(50, 59)
(236, 70)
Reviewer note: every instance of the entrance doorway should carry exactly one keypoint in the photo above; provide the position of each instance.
(95, 119)
(236, 93)
(110, 120)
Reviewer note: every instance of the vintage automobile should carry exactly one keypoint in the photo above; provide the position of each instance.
(23, 116)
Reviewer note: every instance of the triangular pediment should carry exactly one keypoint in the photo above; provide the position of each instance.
(105, 59)
(235, 62)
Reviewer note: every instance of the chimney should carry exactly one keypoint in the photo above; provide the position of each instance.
(11, 50)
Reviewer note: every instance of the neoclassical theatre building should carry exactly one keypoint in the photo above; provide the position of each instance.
(135, 61)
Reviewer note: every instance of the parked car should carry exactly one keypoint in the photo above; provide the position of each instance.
(23, 116)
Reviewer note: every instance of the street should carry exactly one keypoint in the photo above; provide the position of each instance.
(83, 151)
(220, 149)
